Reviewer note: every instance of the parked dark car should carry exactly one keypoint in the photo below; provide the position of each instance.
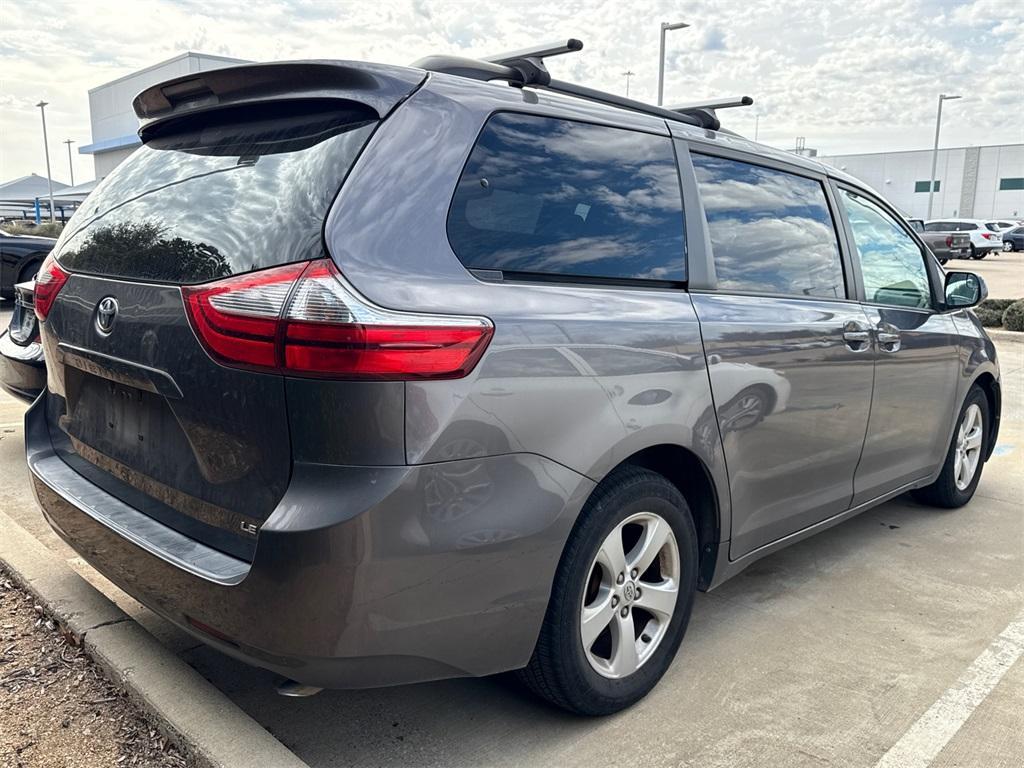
(370, 375)
(1013, 239)
(20, 257)
(22, 368)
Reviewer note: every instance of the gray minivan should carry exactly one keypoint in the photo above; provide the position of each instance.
(370, 375)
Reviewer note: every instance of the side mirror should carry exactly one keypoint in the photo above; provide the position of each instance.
(964, 289)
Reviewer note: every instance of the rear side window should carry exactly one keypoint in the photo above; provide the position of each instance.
(541, 196)
(241, 190)
(771, 231)
(966, 226)
(940, 226)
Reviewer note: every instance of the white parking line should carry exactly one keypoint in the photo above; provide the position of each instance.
(926, 738)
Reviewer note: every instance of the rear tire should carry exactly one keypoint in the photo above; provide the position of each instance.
(952, 488)
(579, 678)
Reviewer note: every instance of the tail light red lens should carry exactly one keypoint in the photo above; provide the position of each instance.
(304, 319)
(49, 280)
(949, 241)
(988, 235)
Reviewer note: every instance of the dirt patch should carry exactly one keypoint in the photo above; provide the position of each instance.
(56, 707)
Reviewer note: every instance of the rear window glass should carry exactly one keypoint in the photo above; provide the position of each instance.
(544, 196)
(771, 231)
(246, 189)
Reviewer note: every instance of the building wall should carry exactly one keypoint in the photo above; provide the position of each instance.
(895, 175)
(996, 163)
(105, 162)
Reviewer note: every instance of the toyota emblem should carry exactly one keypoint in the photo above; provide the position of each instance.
(106, 313)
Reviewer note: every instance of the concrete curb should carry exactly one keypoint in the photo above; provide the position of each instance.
(192, 713)
(1011, 337)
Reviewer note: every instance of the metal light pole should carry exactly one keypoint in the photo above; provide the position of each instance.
(71, 168)
(46, 148)
(935, 151)
(665, 27)
(628, 74)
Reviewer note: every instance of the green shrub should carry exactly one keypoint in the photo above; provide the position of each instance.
(990, 318)
(998, 305)
(1013, 317)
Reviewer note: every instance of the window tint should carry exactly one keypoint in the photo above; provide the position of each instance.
(892, 264)
(940, 226)
(992, 226)
(1011, 183)
(965, 226)
(922, 186)
(241, 189)
(771, 231)
(556, 197)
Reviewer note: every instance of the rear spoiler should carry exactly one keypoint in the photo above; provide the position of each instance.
(379, 86)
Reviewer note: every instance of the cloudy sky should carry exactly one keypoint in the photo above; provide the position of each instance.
(849, 75)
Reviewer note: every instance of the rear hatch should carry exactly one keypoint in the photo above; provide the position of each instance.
(235, 176)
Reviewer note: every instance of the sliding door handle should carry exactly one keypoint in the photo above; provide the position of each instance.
(888, 338)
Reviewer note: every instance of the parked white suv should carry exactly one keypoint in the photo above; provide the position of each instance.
(983, 240)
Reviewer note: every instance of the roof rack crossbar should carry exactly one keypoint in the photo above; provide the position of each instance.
(722, 103)
(537, 52)
(526, 68)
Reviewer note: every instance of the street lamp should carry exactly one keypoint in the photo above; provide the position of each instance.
(71, 168)
(627, 74)
(935, 151)
(46, 149)
(665, 27)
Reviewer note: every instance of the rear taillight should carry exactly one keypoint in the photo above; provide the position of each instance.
(988, 235)
(304, 319)
(949, 241)
(49, 280)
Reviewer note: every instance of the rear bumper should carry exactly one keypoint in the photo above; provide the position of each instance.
(362, 577)
(22, 369)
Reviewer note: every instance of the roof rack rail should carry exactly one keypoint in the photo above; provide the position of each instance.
(526, 68)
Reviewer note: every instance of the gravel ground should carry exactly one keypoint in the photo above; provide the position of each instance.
(56, 708)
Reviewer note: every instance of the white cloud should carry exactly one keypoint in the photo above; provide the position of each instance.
(850, 77)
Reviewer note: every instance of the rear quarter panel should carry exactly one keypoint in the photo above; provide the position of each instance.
(631, 359)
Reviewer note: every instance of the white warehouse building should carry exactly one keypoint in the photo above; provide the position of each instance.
(114, 125)
(971, 182)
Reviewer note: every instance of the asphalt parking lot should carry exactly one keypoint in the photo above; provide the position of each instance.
(894, 639)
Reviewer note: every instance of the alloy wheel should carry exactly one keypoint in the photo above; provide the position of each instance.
(968, 446)
(630, 596)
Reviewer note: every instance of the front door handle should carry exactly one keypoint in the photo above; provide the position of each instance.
(888, 338)
(856, 336)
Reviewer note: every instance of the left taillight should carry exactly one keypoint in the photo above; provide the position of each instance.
(304, 319)
(49, 280)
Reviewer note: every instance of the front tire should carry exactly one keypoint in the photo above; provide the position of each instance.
(1008, 246)
(965, 458)
(621, 598)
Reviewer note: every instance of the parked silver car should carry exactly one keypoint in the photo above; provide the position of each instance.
(370, 375)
